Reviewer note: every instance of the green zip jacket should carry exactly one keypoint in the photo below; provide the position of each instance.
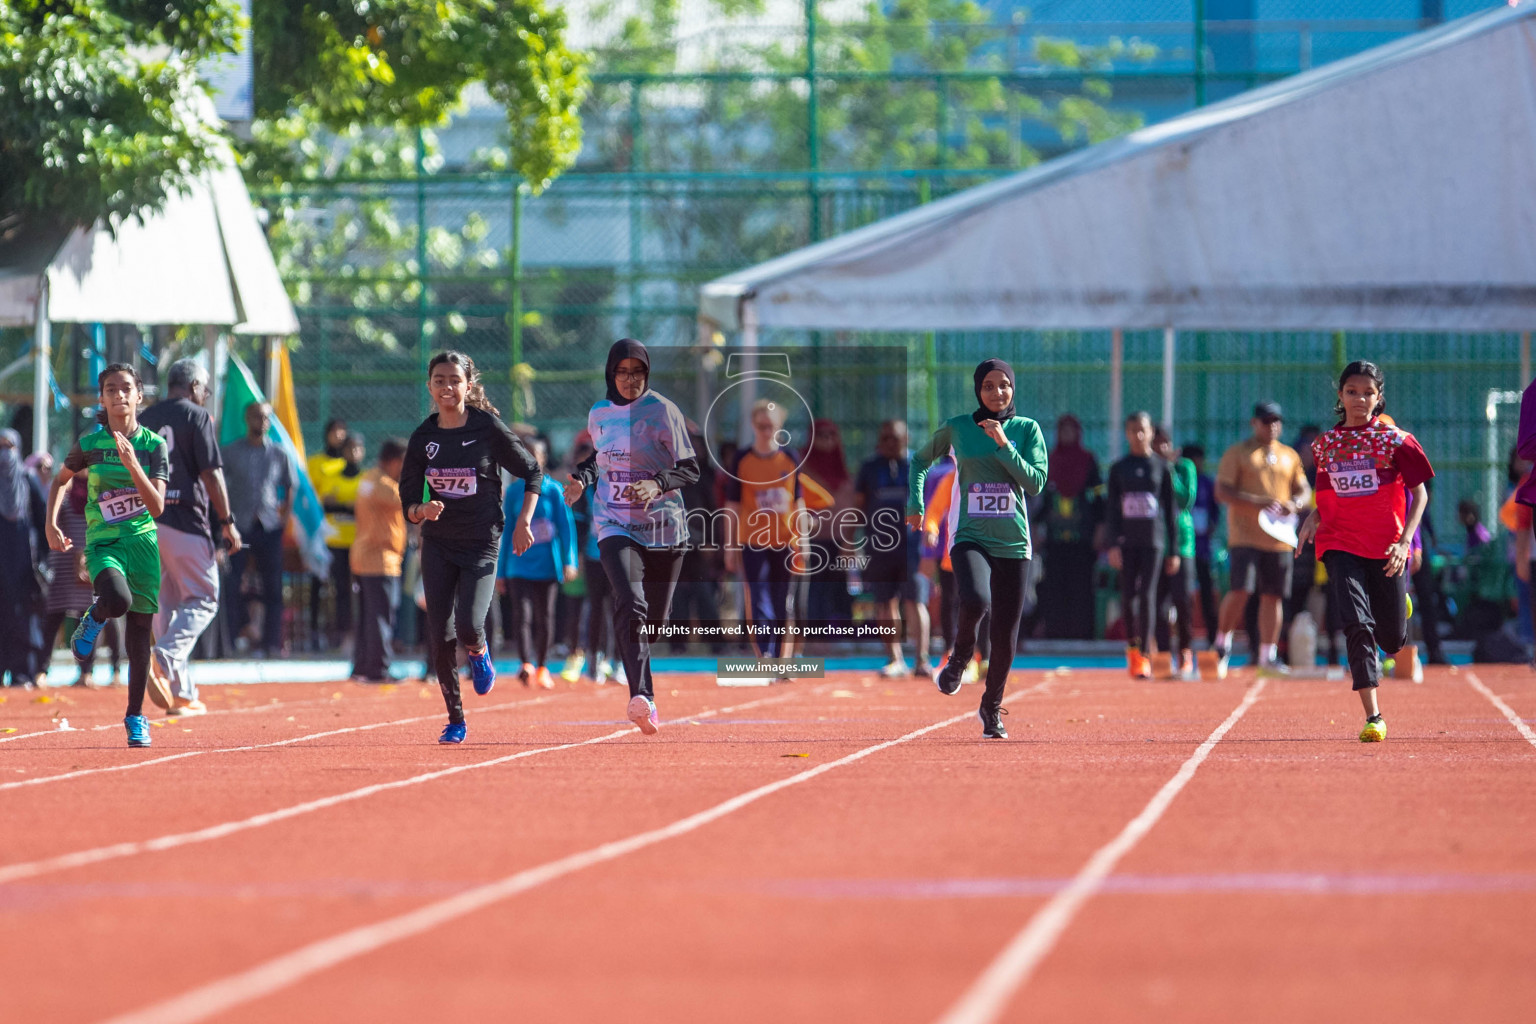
(993, 481)
(1185, 480)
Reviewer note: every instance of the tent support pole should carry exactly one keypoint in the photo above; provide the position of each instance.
(1116, 390)
(749, 386)
(1170, 344)
(1525, 358)
(42, 351)
(216, 344)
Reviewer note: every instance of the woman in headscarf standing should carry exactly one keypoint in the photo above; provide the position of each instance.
(1000, 458)
(642, 458)
(1070, 515)
(22, 543)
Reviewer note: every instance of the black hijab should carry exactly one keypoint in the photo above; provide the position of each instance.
(982, 412)
(625, 348)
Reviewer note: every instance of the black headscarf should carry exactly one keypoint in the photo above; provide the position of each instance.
(982, 412)
(624, 348)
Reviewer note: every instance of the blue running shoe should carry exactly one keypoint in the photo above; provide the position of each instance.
(483, 671)
(138, 730)
(83, 641)
(453, 732)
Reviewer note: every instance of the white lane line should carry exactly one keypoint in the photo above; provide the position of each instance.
(236, 989)
(988, 997)
(80, 858)
(1504, 709)
(274, 706)
(44, 779)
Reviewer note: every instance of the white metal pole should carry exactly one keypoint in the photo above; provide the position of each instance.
(42, 352)
(749, 385)
(1116, 391)
(215, 343)
(1170, 341)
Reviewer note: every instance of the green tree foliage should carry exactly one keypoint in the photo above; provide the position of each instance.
(398, 65)
(95, 118)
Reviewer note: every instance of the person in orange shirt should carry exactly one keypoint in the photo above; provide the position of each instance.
(377, 551)
(764, 496)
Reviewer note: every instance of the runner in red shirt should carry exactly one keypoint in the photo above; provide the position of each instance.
(1364, 526)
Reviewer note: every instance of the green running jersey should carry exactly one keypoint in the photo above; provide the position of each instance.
(993, 481)
(113, 507)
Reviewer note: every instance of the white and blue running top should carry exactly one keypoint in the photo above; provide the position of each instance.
(635, 442)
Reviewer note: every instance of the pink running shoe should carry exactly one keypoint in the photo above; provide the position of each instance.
(642, 711)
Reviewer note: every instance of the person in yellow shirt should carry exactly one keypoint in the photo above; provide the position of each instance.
(1262, 482)
(377, 550)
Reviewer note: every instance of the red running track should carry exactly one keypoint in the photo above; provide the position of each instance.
(826, 851)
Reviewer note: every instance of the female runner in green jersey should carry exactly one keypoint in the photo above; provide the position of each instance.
(999, 458)
(126, 469)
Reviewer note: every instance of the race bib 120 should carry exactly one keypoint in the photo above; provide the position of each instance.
(989, 501)
(1354, 478)
(120, 504)
(1138, 505)
(452, 483)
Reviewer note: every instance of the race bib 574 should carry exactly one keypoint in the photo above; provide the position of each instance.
(452, 483)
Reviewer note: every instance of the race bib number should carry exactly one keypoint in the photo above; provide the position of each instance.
(452, 483)
(989, 501)
(543, 531)
(1354, 478)
(1138, 505)
(118, 505)
(620, 487)
(1201, 517)
(774, 499)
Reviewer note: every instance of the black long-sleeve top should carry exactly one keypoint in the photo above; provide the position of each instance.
(1139, 505)
(460, 468)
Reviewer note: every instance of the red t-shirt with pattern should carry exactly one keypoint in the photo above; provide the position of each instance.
(1363, 478)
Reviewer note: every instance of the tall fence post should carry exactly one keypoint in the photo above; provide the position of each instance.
(421, 259)
(636, 226)
(1199, 53)
(1170, 348)
(515, 300)
(1116, 391)
(812, 121)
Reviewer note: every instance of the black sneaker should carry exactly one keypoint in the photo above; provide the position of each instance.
(992, 723)
(948, 678)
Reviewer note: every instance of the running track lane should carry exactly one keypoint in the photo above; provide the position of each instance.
(704, 928)
(1309, 877)
(270, 872)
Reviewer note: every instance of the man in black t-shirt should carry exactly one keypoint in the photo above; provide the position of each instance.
(189, 588)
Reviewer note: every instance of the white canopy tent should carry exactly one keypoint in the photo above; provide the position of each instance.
(1388, 191)
(202, 260)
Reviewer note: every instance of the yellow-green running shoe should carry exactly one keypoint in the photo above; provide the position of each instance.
(1374, 732)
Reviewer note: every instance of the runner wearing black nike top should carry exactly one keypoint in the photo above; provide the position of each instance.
(451, 484)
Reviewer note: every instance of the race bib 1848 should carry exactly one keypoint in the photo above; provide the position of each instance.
(120, 504)
(1354, 478)
(452, 483)
(620, 490)
(989, 501)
